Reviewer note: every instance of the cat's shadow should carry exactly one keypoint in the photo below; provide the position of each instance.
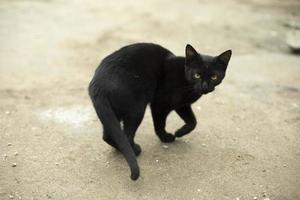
(179, 146)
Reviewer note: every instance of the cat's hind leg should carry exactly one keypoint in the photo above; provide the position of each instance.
(186, 113)
(131, 124)
(107, 138)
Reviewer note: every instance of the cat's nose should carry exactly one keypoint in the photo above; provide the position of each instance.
(204, 86)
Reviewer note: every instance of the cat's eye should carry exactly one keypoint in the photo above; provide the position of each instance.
(197, 75)
(214, 77)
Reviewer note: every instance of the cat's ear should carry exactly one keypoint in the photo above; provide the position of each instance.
(225, 57)
(190, 52)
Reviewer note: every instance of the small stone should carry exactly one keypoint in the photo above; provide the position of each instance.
(293, 41)
(19, 197)
(7, 112)
(156, 160)
(14, 164)
(165, 146)
(16, 153)
(9, 144)
(266, 198)
(295, 105)
(255, 198)
(5, 156)
(284, 165)
(56, 164)
(292, 25)
(273, 33)
(238, 198)
(264, 170)
(10, 196)
(204, 145)
(198, 190)
(33, 128)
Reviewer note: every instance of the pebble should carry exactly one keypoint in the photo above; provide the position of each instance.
(273, 33)
(266, 198)
(295, 105)
(255, 198)
(14, 164)
(284, 165)
(198, 190)
(4, 156)
(9, 144)
(293, 41)
(165, 146)
(156, 160)
(10, 196)
(16, 153)
(238, 198)
(204, 145)
(292, 25)
(17, 195)
(7, 112)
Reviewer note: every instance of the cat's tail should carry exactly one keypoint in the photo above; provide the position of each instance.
(111, 123)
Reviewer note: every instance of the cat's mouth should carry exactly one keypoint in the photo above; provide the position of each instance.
(203, 89)
(206, 91)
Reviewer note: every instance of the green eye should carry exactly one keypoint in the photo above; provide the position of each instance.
(197, 76)
(214, 77)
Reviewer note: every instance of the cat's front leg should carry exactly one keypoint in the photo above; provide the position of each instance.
(186, 113)
(159, 119)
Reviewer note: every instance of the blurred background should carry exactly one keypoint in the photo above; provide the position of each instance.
(246, 144)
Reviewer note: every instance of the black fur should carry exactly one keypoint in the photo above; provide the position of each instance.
(140, 74)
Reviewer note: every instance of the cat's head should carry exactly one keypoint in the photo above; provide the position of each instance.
(205, 72)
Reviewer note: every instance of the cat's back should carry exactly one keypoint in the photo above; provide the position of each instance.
(136, 58)
(136, 68)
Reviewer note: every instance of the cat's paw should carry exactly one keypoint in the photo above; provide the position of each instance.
(167, 138)
(181, 132)
(137, 149)
(186, 129)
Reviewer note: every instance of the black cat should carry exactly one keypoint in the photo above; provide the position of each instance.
(140, 74)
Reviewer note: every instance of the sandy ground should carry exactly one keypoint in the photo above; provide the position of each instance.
(246, 144)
